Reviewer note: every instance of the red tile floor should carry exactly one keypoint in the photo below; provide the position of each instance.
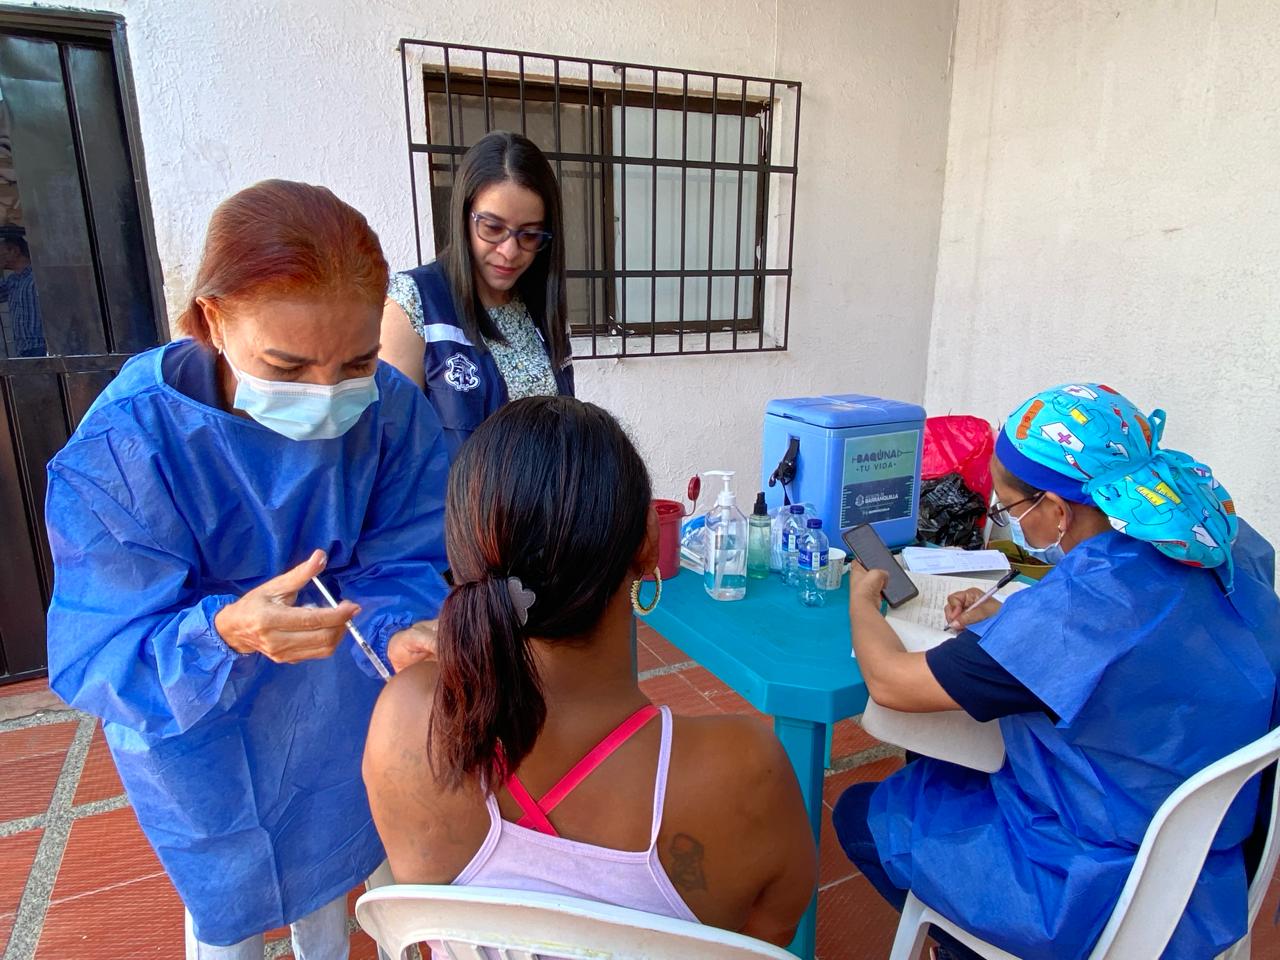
(77, 878)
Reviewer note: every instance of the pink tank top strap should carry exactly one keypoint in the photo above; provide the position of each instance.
(660, 780)
(532, 815)
(535, 811)
(598, 754)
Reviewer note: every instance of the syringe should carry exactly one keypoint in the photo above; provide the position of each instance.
(361, 642)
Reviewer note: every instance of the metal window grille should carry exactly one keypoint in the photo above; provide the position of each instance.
(678, 186)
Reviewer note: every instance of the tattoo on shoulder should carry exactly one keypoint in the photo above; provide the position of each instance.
(686, 863)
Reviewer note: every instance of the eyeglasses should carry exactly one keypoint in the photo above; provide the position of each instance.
(999, 514)
(496, 232)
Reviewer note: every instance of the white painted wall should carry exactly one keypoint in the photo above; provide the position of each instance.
(230, 92)
(1112, 212)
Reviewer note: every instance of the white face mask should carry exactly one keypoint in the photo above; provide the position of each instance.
(303, 411)
(1050, 554)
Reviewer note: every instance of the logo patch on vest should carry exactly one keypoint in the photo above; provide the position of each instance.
(461, 373)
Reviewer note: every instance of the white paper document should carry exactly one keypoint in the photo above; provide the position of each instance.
(945, 560)
(926, 610)
(950, 735)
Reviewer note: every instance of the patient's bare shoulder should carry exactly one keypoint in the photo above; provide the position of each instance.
(396, 752)
(429, 829)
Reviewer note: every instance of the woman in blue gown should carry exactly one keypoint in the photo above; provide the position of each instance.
(1147, 653)
(202, 492)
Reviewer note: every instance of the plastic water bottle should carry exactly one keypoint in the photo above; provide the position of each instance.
(792, 530)
(812, 563)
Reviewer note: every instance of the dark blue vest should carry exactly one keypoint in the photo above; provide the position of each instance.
(463, 382)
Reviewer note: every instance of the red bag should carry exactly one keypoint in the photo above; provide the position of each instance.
(959, 444)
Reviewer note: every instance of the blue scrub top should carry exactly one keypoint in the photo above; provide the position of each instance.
(163, 508)
(1153, 673)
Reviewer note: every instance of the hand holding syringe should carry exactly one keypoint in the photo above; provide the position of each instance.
(267, 620)
(361, 642)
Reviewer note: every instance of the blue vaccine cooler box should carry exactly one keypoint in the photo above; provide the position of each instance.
(857, 459)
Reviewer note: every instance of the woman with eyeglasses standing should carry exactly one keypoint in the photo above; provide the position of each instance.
(485, 322)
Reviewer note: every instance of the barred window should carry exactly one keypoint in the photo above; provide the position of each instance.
(678, 187)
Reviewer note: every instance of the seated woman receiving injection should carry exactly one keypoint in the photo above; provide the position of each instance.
(527, 756)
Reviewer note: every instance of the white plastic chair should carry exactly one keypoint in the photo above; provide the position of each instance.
(1261, 881)
(518, 925)
(1167, 866)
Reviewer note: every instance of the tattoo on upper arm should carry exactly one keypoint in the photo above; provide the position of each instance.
(686, 863)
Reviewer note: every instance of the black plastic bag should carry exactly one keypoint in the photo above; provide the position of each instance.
(950, 513)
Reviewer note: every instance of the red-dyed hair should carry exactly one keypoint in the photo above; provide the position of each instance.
(289, 240)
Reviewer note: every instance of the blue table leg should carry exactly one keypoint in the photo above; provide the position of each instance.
(805, 743)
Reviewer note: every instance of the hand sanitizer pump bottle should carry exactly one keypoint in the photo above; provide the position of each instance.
(725, 564)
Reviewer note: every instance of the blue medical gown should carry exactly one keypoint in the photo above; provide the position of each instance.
(244, 773)
(1155, 674)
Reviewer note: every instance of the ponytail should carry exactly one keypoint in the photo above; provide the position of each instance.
(536, 566)
(488, 708)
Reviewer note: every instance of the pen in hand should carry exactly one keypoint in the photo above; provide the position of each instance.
(361, 642)
(1000, 584)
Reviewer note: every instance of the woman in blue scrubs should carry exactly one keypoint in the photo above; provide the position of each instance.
(205, 488)
(1146, 654)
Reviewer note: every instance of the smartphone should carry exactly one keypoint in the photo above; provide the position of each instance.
(869, 550)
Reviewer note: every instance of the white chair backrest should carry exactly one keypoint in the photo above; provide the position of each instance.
(1174, 849)
(1261, 881)
(518, 925)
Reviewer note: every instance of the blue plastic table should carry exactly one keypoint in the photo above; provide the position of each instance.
(788, 660)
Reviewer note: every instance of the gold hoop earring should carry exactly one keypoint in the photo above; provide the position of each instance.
(642, 611)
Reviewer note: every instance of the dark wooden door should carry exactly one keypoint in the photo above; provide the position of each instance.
(78, 278)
